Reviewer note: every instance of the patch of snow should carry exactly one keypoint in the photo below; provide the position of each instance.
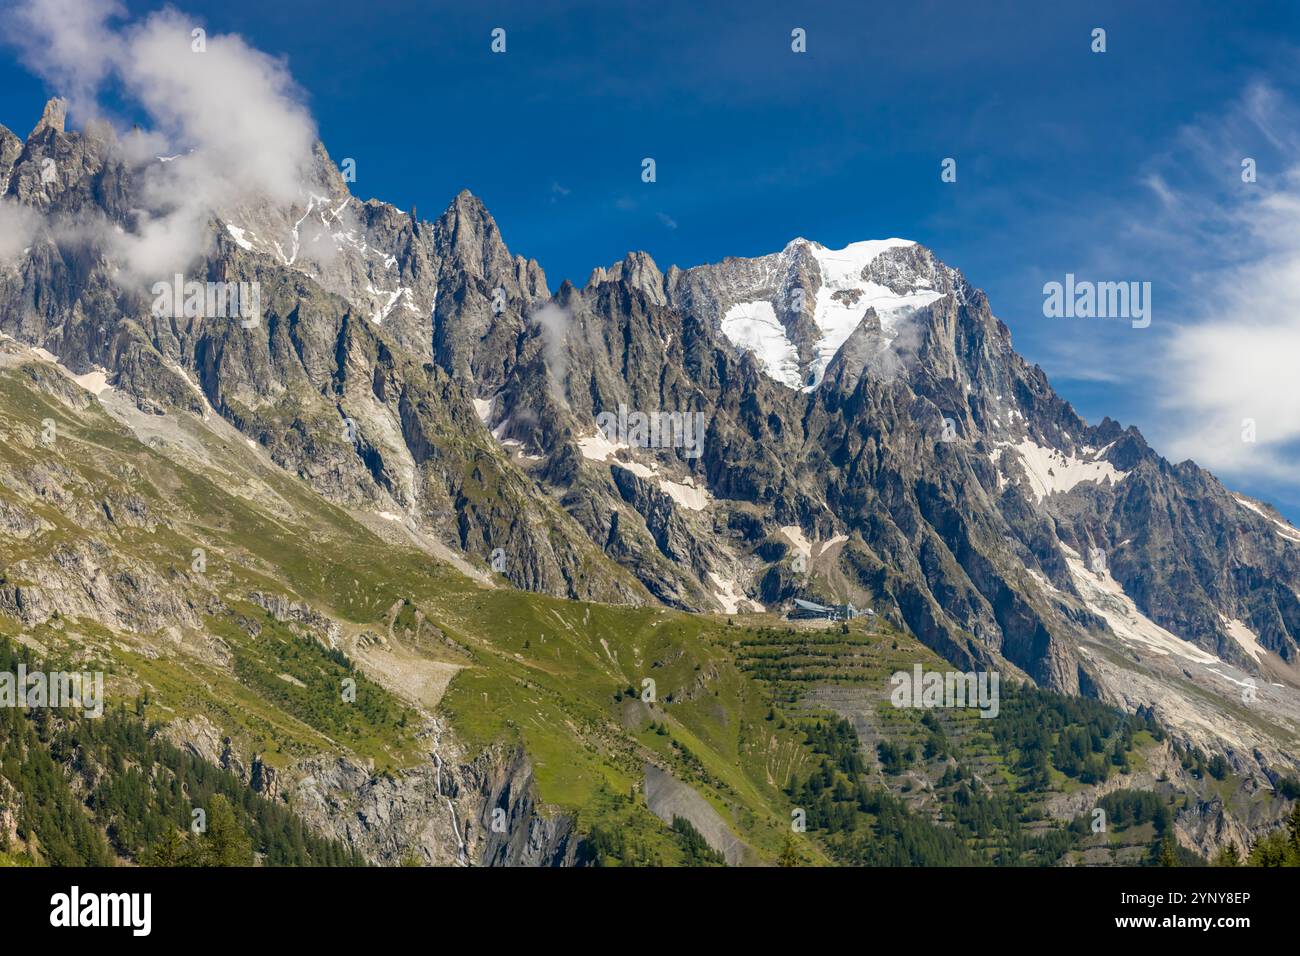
(726, 593)
(841, 266)
(1250, 505)
(239, 236)
(1284, 530)
(600, 449)
(686, 495)
(483, 406)
(384, 309)
(730, 596)
(638, 469)
(194, 387)
(827, 545)
(796, 537)
(389, 516)
(1051, 470)
(95, 382)
(754, 327)
(1249, 682)
(841, 271)
(597, 447)
(297, 238)
(1041, 578)
(1103, 594)
(842, 298)
(1244, 636)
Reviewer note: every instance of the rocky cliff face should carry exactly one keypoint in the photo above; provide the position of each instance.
(866, 432)
(450, 811)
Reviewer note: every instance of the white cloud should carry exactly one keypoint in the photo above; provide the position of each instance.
(231, 116)
(18, 226)
(69, 43)
(554, 323)
(1237, 357)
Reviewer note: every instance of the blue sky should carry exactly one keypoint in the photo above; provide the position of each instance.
(1103, 165)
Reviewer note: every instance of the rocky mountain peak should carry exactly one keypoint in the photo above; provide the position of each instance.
(327, 172)
(468, 233)
(52, 118)
(638, 271)
(793, 309)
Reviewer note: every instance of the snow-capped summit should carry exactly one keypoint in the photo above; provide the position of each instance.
(794, 309)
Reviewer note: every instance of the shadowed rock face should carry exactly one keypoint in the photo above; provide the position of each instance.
(420, 369)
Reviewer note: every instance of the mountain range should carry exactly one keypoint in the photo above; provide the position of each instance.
(422, 458)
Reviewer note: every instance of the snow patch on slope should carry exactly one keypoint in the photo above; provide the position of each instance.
(685, 494)
(95, 382)
(1051, 470)
(238, 235)
(803, 546)
(754, 327)
(794, 534)
(844, 296)
(1284, 530)
(831, 542)
(730, 596)
(598, 448)
(1244, 636)
(1103, 594)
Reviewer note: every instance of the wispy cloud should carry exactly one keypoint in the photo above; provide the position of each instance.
(554, 322)
(1234, 361)
(230, 114)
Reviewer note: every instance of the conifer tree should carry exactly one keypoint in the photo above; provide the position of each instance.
(1167, 857)
(789, 853)
(225, 843)
(1228, 856)
(171, 850)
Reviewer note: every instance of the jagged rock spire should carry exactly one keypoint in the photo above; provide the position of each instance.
(56, 112)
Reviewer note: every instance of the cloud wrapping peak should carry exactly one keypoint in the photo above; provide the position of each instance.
(230, 115)
(18, 227)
